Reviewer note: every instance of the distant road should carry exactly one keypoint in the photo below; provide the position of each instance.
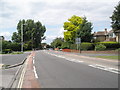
(57, 72)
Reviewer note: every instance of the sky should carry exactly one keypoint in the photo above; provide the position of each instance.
(53, 14)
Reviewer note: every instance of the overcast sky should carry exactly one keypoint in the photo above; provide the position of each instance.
(53, 13)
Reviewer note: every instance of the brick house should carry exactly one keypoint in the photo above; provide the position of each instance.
(105, 35)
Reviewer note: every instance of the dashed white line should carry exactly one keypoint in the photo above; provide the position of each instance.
(113, 70)
(36, 76)
(33, 61)
(97, 66)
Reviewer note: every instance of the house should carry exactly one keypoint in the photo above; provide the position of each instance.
(105, 35)
(117, 33)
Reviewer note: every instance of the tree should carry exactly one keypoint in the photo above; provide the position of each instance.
(84, 32)
(116, 18)
(57, 42)
(15, 37)
(71, 26)
(33, 33)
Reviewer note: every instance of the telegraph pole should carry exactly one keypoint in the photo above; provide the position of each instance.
(21, 37)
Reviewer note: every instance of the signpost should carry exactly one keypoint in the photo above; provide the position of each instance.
(78, 42)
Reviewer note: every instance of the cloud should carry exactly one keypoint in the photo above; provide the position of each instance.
(55, 13)
(7, 35)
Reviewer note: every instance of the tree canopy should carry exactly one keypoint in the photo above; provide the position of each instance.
(116, 18)
(33, 33)
(57, 42)
(77, 27)
(71, 26)
(84, 32)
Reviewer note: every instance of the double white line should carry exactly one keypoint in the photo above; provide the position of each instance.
(20, 83)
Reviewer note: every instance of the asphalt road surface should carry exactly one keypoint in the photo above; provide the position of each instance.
(13, 59)
(57, 72)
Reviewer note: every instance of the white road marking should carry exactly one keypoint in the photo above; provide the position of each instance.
(33, 61)
(20, 83)
(36, 76)
(113, 70)
(101, 67)
(69, 59)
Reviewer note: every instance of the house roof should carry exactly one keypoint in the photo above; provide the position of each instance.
(100, 33)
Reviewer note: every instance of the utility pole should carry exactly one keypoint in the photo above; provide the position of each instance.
(21, 37)
(22, 27)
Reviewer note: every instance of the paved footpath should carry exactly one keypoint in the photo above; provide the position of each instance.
(29, 78)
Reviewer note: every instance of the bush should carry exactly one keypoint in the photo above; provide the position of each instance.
(100, 47)
(118, 49)
(87, 46)
(5, 51)
(65, 45)
(110, 45)
(15, 46)
(73, 46)
(59, 47)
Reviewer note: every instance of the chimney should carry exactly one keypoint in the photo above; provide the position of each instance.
(105, 30)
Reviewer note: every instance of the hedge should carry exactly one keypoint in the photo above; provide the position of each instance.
(87, 46)
(83, 46)
(5, 51)
(110, 45)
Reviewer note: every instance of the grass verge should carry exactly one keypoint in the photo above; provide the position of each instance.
(17, 53)
(108, 57)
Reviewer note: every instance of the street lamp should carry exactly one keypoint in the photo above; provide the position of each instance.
(22, 26)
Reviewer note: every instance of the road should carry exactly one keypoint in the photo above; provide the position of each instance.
(61, 70)
(10, 59)
(6, 75)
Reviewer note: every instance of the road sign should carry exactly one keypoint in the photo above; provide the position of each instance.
(78, 40)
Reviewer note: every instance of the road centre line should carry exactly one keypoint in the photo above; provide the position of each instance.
(34, 69)
(33, 61)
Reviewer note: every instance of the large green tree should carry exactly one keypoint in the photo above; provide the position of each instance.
(33, 33)
(71, 27)
(84, 32)
(116, 18)
(77, 27)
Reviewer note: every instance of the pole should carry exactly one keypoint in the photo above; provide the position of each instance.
(21, 37)
(80, 45)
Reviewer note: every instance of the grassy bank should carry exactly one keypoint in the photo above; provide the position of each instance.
(108, 57)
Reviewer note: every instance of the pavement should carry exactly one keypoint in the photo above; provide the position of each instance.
(56, 70)
(7, 76)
